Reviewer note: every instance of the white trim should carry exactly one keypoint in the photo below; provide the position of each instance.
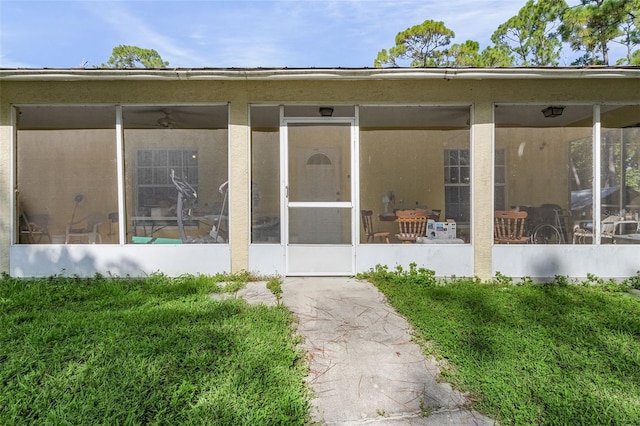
(571, 260)
(284, 189)
(120, 178)
(444, 259)
(309, 74)
(285, 204)
(135, 260)
(355, 184)
(317, 204)
(595, 174)
(13, 179)
(230, 193)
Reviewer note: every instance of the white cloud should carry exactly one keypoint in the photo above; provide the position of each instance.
(134, 30)
(235, 33)
(6, 62)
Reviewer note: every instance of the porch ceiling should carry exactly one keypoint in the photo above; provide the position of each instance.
(371, 116)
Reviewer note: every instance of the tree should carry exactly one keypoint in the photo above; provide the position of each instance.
(422, 44)
(132, 56)
(464, 55)
(495, 57)
(592, 25)
(630, 33)
(468, 54)
(532, 36)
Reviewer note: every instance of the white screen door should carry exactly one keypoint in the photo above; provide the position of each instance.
(318, 197)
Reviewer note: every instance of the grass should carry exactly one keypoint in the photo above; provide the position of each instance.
(150, 351)
(543, 354)
(160, 351)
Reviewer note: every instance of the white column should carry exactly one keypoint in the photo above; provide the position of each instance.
(482, 188)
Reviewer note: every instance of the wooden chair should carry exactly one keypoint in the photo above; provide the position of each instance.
(509, 227)
(411, 225)
(367, 224)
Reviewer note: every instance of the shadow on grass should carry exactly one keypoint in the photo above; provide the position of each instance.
(533, 354)
(114, 352)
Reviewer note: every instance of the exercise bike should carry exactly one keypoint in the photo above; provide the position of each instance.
(187, 196)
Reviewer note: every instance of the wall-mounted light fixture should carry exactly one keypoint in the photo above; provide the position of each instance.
(553, 111)
(326, 111)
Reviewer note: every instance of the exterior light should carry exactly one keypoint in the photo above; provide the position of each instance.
(326, 111)
(553, 111)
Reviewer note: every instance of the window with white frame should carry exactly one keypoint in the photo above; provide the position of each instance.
(457, 184)
(499, 189)
(155, 188)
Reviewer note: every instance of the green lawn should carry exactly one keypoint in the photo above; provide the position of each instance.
(154, 351)
(532, 354)
(160, 351)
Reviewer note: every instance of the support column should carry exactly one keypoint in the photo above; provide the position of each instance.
(239, 187)
(482, 180)
(6, 183)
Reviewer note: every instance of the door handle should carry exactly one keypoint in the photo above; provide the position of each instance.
(286, 191)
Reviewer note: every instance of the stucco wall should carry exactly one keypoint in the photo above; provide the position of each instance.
(481, 93)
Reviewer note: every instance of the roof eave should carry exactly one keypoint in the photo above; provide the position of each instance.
(77, 74)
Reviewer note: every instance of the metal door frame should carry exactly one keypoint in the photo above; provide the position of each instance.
(284, 186)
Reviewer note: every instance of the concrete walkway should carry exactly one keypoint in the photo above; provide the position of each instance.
(364, 368)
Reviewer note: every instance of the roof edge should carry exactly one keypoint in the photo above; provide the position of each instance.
(79, 74)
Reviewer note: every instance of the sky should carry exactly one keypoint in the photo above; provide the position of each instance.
(233, 33)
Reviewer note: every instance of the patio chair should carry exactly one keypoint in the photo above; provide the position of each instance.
(367, 224)
(509, 227)
(113, 218)
(33, 228)
(607, 231)
(411, 225)
(89, 233)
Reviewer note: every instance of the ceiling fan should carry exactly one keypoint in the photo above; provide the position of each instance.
(166, 121)
(168, 117)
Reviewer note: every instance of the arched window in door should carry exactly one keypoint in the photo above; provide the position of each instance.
(319, 160)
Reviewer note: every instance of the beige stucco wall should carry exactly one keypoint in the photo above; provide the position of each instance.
(538, 164)
(479, 92)
(408, 162)
(482, 181)
(239, 184)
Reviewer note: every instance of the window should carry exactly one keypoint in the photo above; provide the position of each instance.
(457, 186)
(457, 174)
(155, 188)
(499, 190)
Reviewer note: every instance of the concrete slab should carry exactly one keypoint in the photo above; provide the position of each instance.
(254, 292)
(364, 368)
